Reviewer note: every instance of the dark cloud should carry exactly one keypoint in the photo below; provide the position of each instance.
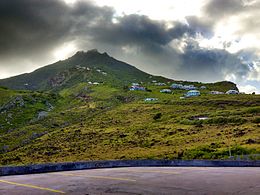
(30, 25)
(213, 63)
(248, 12)
(204, 26)
(31, 29)
(35, 25)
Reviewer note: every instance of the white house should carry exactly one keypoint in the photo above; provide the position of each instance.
(150, 99)
(136, 88)
(192, 93)
(216, 92)
(165, 91)
(160, 84)
(189, 87)
(180, 86)
(176, 86)
(232, 92)
(203, 87)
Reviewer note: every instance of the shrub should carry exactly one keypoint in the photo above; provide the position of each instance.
(225, 120)
(256, 120)
(191, 122)
(157, 116)
(212, 152)
(254, 110)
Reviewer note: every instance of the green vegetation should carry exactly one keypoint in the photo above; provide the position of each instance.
(103, 122)
(72, 119)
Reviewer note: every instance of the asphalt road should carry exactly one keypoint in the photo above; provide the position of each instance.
(140, 180)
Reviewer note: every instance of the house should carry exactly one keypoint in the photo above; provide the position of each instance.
(232, 92)
(165, 91)
(192, 93)
(216, 92)
(176, 86)
(189, 87)
(203, 87)
(136, 88)
(185, 87)
(150, 99)
(160, 84)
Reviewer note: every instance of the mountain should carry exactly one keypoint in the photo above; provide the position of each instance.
(90, 66)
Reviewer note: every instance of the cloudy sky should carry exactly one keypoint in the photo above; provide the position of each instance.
(199, 40)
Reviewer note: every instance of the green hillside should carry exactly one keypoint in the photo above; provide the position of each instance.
(82, 109)
(93, 122)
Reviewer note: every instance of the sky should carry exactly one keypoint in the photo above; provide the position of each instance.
(197, 40)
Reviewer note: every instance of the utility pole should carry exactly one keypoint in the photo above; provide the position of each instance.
(229, 144)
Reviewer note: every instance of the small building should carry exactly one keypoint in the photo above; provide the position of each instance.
(189, 87)
(151, 99)
(176, 86)
(203, 87)
(136, 88)
(165, 91)
(185, 87)
(216, 92)
(192, 93)
(160, 84)
(232, 92)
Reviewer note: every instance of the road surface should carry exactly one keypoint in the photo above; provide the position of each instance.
(137, 180)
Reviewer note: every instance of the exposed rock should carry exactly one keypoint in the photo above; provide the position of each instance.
(15, 102)
(4, 149)
(59, 79)
(42, 115)
(49, 105)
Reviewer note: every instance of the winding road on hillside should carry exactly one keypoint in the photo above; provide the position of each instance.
(137, 180)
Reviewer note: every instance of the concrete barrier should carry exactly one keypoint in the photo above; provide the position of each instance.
(53, 167)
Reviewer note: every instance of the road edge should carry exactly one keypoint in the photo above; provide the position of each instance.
(69, 166)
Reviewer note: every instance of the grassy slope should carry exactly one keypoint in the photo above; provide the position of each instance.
(112, 123)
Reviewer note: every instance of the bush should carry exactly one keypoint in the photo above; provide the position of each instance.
(157, 116)
(256, 120)
(254, 110)
(212, 152)
(191, 122)
(225, 120)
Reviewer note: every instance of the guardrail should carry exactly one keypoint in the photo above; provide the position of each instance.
(69, 166)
